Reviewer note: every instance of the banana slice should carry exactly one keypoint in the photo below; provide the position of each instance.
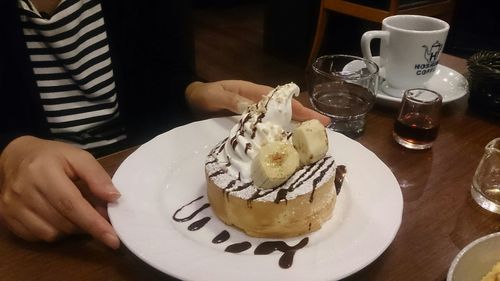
(310, 141)
(274, 164)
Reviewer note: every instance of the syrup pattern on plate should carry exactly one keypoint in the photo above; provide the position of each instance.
(264, 248)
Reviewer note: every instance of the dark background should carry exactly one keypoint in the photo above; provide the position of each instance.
(289, 27)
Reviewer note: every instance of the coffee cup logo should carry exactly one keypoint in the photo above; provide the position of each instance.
(431, 55)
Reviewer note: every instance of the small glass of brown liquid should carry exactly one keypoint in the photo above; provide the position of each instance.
(417, 124)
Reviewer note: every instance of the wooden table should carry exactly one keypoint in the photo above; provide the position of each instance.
(439, 216)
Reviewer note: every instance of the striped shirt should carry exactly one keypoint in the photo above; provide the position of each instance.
(72, 67)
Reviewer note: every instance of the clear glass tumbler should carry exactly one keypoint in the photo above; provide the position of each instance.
(344, 88)
(486, 181)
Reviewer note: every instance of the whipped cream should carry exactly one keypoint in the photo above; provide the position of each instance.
(268, 120)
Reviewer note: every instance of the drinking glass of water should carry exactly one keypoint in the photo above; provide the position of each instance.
(344, 88)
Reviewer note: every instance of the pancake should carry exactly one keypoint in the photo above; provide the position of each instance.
(298, 206)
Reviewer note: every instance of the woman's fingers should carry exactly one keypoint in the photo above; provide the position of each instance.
(68, 201)
(87, 169)
(232, 95)
(254, 92)
(40, 201)
(249, 90)
(302, 113)
(28, 224)
(36, 226)
(39, 205)
(245, 93)
(20, 230)
(235, 103)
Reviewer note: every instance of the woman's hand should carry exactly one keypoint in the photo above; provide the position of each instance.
(236, 96)
(39, 197)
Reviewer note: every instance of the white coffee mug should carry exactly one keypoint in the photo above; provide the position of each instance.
(410, 46)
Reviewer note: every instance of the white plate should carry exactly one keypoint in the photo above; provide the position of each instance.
(167, 173)
(446, 81)
(476, 259)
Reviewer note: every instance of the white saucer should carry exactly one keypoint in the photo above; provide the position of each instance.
(446, 81)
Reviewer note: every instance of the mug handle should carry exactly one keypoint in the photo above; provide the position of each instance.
(366, 40)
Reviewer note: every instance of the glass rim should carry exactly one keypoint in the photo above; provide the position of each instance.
(408, 95)
(493, 145)
(333, 75)
(390, 22)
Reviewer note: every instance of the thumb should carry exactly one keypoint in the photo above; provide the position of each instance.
(302, 113)
(236, 103)
(86, 167)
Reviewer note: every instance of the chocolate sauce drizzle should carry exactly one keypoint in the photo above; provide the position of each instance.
(299, 181)
(229, 186)
(309, 172)
(238, 247)
(244, 120)
(304, 176)
(317, 180)
(286, 259)
(198, 224)
(216, 173)
(254, 127)
(221, 237)
(234, 141)
(248, 146)
(219, 148)
(264, 248)
(259, 193)
(259, 117)
(242, 124)
(226, 190)
(339, 177)
(175, 218)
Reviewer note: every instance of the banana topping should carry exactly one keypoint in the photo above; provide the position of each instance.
(310, 141)
(274, 164)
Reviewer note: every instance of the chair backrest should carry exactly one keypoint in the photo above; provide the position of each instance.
(377, 10)
(393, 4)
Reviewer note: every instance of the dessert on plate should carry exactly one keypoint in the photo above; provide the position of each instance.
(494, 274)
(270, 177)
